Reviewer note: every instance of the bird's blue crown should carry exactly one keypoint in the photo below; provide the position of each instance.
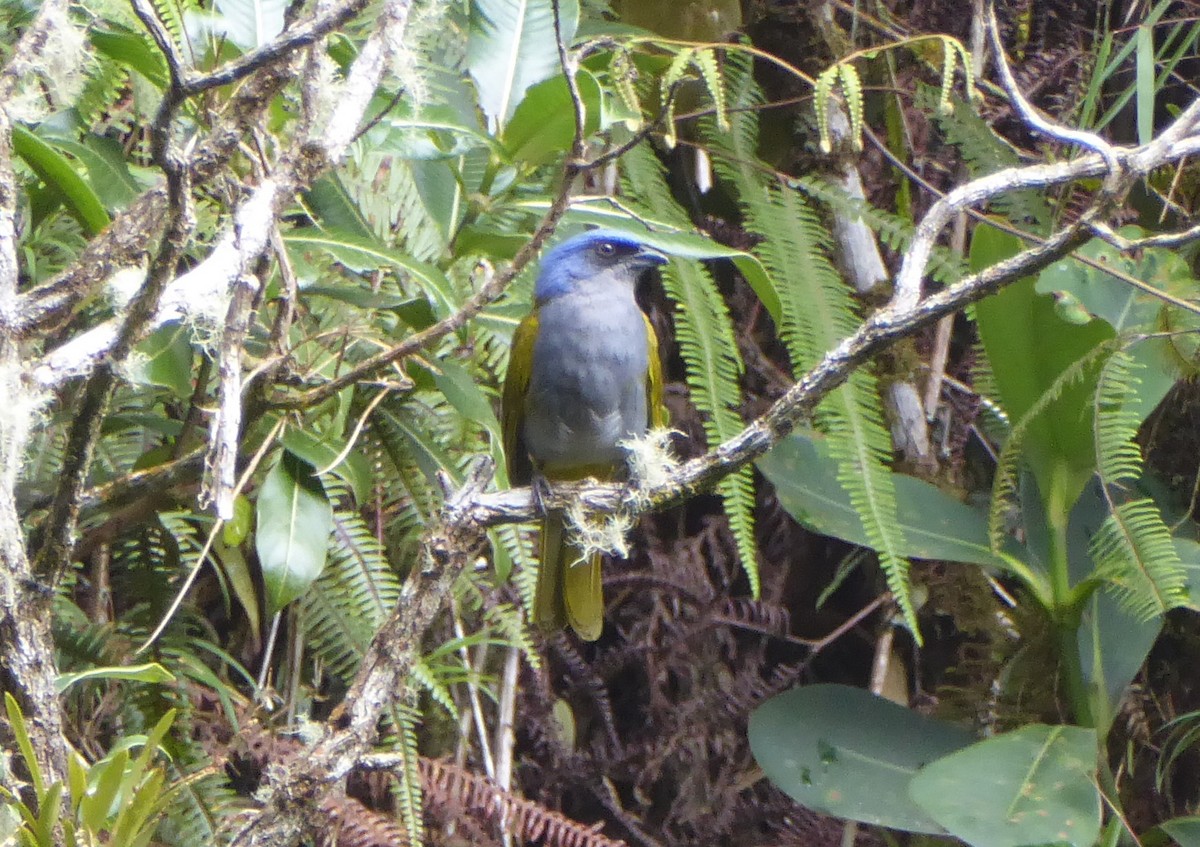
(577, 258)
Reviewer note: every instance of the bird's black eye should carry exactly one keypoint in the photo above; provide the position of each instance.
(606, 248)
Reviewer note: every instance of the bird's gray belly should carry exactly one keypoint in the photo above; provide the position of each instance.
(587, 390)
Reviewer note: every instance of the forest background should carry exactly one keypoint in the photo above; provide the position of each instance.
(920, 556)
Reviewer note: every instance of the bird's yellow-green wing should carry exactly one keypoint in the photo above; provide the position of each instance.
(654, 380)
(512, 401)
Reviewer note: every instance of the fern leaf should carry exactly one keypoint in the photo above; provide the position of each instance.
(704, 332)
(1133, 550)
(818, 312)
(621, 75)
(949, 60)
(434, 684)
(351, 598)
(852, 92)
(408, 789)
(1115, 421)
(1004, 484)
(706, 61)
(822, 92)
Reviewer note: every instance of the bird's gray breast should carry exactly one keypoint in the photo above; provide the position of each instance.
(587, 388)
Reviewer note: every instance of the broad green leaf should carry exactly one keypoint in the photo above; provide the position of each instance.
(1028, 347)
(512, 45)
(363, 254)
(1125, 307)
(935, 525)
(165, 359)
(671, 240)
(149, 672)
(843, 751)
(132, 49)
(1036, 785)
(1185, 831)
(1128, 309)
(1113, 645)
(543, 126)
(464, 393)
(251, 23)
(320, 450)
(59, 175)
(237, 571)
(108, 170)
(294, 520)
(336, 210)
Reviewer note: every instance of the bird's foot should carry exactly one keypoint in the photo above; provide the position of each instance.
(540, 486)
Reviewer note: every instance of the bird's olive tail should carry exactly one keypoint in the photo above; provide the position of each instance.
(568, 588)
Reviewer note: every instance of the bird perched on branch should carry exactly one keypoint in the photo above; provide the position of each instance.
(583, 375)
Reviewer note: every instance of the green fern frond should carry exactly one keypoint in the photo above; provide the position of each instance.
(389, 197)
(408, 786)
(434, 684)
(506, 620)
(852, 92)
(822, 94)
(173, 15)
(351, 598)
(704, 332)
(1133, 550)
(621, 76)
(200, 805)
(984, 152)
(1115, 421)
(818, 312)
(994, 420)
(676, 72)
(518, 546)
(106, 81)
(706, 61)
(1004, 484)
(949, 60)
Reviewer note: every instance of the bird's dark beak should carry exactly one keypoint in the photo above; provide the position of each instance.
(648, 257)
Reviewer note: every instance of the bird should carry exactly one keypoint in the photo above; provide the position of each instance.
(584, 374)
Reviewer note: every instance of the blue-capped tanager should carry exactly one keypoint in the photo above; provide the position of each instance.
(584, 374)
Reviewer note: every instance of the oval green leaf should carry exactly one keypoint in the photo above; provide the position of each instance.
(543, 126)
(935, 525)
(845, 752)
(150, 672)
(1036, 785)
(513, 45)
(294, 520)
(53, 169)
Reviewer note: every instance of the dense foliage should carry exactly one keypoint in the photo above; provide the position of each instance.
(260, 264)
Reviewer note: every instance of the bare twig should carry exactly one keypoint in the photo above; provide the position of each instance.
(26, 647)
(226, 424)
(282, 47)
(1035, 119)
(54, 554)
(126, 242)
